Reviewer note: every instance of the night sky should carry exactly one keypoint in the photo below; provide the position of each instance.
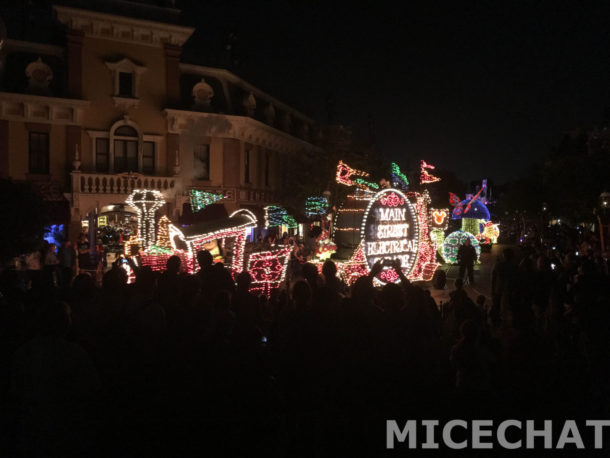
(484, 89)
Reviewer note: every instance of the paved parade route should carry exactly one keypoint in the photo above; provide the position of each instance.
(482, 278)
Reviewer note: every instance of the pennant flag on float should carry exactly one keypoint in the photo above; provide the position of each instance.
(202, 199)
(425, 177)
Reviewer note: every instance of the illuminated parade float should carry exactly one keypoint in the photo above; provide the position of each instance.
(377, 222)
(476, 224)
(388, 225)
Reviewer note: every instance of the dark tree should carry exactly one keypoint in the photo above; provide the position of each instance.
(22, 219)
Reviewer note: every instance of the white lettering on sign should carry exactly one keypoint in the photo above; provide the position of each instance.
(390, 247)
(390, 232)
(387, 231)
(392, 214)
(404, 258)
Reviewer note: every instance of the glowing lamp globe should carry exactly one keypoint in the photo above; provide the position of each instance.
(452, 244)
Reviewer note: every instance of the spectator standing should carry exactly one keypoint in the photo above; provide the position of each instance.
(33, 263)
(67, 261)
(83, 252)
(466, 258)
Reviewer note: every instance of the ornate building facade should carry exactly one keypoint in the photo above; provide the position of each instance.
(106, 106)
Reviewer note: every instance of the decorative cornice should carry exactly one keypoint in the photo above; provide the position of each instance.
(121, 28)
(125, 103)
(10, 45)
(226, 75)
(240, 127)
(36, 108)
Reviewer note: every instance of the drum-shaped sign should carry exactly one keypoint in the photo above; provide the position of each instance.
(390, 231)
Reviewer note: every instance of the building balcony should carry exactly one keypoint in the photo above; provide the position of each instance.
(122, 183)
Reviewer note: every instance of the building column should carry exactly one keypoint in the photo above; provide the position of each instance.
(75, 63)
(4, 148)
(73, 141)
(172, 150)
(172, 74)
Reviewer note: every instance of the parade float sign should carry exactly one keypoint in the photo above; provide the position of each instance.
(390, 231)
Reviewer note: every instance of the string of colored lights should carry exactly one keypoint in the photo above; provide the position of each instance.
(490, 234)
(355, 268)
(316, 206)
(278, 216)
(146, 202)
(438, 237)
(425, 262)
(476, 196)
(237, 263)
(453, 242)
(346, 229)
(438, 218)
(471, 225)
(344, 172)
(352, 210)
(201, 199)
(268, 269)
(399, 179)
(163, 240)
(157, 250)
(133, 240)
(361, 182)
(425, 177)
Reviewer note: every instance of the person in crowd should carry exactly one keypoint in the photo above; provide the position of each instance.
(472, 361)
(84, 259)
(51, 266)
(169, 283)
(34, 263)
(466, 258)
(54, 381)
(503, 280)
(67, 263)
(331, 281)
(206, 359)
(206, 270)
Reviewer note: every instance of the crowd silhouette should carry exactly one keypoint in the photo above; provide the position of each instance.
(178, 365)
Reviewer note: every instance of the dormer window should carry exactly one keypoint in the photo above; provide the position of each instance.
(125, 84)
(126, 77)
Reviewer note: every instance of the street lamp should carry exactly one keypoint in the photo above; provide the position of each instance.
(604, 201)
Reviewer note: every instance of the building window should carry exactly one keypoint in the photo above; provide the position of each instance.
(148, 158)
(125, 84)
(39, 152)
(202, 162)
(102, 155)
(125, 149)
(267, 169)
(247, 167)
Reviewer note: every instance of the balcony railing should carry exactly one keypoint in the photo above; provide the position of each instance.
(123, 183)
